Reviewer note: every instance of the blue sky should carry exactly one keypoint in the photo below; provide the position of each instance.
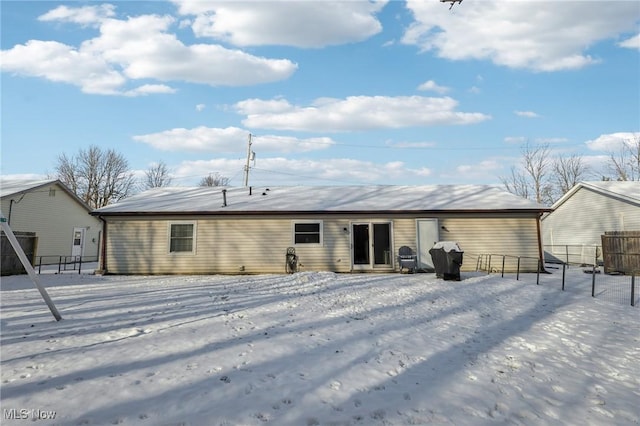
(348, 92)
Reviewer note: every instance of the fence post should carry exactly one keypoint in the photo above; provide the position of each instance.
(59, 264)
(563, 275)
(566, 251)
(40, 266)
(518, 270)
(593, 281)
(538, 272)
(633, 289)
(489, 266)
(79, 265)
(503, 257)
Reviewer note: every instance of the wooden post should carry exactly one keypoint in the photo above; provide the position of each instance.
(28, 267)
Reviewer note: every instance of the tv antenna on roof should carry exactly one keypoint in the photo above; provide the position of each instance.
(453, 2)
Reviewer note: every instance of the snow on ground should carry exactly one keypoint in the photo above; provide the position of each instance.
(317, 348)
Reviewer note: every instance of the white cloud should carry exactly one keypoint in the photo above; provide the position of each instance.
(612, 141)
(535, 35)
(290, 23)
(149, 89)
(200, 107)
(282, 171)
(631, 43)
(134, 49)
(479, 169)
(229, 139)
(61, 63)
(85, 15)
(355, 113)
(526, 114)
(515, 139)
(433, 87)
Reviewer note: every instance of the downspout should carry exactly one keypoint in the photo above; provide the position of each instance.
(103, 246)
(540, 249)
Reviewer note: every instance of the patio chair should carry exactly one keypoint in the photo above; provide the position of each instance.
(407, 259)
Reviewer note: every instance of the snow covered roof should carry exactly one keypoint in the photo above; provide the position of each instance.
(625, 190)
(9, 187)
(333, 199)
(16, 186)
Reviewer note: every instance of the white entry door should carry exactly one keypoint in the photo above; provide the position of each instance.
(78, 242)
(428, 235)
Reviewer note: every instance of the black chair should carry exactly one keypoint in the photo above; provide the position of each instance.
(407, 259)
(291, 263)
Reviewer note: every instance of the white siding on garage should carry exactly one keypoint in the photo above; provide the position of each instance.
(52, 214)
(584, 217)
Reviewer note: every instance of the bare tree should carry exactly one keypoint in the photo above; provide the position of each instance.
(567, 172)
(516, 183)
(99, 177)
(625, 164)
(157, 176)
(215, 179)
(533, 181)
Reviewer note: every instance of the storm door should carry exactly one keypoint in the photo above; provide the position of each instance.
(371, 245)
(77, 246)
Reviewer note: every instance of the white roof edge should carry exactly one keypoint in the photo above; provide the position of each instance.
(594, 186)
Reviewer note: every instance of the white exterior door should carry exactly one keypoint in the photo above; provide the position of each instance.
(77, 247)
(428, 235)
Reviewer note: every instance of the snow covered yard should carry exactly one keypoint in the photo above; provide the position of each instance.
(316, 348)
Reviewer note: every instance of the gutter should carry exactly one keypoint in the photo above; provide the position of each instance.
(540, 249)
(316, 212)
(103, 246)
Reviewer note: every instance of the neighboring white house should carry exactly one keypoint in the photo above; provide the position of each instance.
(572, 231)
(335, 228)
(61, 221)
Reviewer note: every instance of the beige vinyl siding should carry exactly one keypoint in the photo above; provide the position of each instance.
(585, 216)
(483, 235)
(53, 217)
(257, 244)
(223, 245)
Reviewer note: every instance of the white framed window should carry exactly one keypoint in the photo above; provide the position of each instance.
(182, 237)
(307, 232)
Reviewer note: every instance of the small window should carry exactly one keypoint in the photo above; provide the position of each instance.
(307, 233)
(182, 238)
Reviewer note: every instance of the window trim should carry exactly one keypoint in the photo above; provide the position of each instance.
(193, 237)
(320, 231)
